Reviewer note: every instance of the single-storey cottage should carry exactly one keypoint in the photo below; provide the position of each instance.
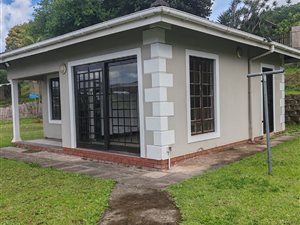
(150, 88)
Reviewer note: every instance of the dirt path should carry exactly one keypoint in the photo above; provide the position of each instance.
(140, 206)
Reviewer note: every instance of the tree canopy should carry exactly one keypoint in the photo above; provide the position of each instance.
(56, 17)
(261, 17)
(3, 76)
(18, 37)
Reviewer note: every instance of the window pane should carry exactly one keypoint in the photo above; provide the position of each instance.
(202, 95)
(55, 99)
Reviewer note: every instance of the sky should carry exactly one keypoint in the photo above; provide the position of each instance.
(14, 12)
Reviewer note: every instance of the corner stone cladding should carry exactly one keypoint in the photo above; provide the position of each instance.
(292, 109)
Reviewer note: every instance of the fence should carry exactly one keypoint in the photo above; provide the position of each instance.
(29, 109)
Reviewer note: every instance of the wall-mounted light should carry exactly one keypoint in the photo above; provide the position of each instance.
(7, 65)
(239, 52)
(63, 69)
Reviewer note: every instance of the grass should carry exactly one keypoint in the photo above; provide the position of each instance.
(31, 128)
(34, 195)
(243, 193)
(293, 128)
(292, 77)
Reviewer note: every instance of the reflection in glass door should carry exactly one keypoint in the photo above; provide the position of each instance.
(107, 105)
(90, 101)
(123, 103)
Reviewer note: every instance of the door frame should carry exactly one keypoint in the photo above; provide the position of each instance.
(115, 55)
(268, 66)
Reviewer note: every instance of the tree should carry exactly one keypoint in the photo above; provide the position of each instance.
(3, 76)
(17, 37)
(20, 36)
(200, 8)
(231, 17)
(261, 17)
(118, 8)
(284, 18)
(246, 15)
(57, 17)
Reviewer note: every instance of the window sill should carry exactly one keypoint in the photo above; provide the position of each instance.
(203, 137)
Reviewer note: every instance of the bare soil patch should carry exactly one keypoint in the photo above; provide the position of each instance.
(134, 206)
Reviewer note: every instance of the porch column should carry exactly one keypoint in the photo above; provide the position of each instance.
(15, 111)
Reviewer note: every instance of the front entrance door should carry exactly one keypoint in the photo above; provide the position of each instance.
(270, 101)
(107, 105)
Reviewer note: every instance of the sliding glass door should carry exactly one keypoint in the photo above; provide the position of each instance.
(107, 105)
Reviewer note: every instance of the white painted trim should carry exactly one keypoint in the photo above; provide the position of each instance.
(268, 66)
(282, 118)
(217, 133)
(15, 110)
(162, 79)
(161, 50)
(50, 120)
(282, 103)
(115, 55)
(162, 138)
(163, 108)
(154, 35)
(158, 94)
(156, 123)
(157, 152)
(281, 86)
(155, 65)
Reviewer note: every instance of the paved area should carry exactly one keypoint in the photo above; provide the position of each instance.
(137, 197)
(53, 142)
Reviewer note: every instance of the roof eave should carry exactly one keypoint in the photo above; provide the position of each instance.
(135, 20)
(219, 30)
(144, 18)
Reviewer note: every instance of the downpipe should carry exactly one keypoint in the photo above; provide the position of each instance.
(169, 157)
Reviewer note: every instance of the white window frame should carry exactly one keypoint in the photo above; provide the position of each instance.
(50, 120)
(216, 133)
(268, 66)
(115, 55)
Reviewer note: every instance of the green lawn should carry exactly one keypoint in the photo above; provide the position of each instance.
(243, 193)
(33, 195)
(292, 77)
(31, 128)
(293, 128)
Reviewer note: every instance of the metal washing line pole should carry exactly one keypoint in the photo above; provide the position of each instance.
(266, 110)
